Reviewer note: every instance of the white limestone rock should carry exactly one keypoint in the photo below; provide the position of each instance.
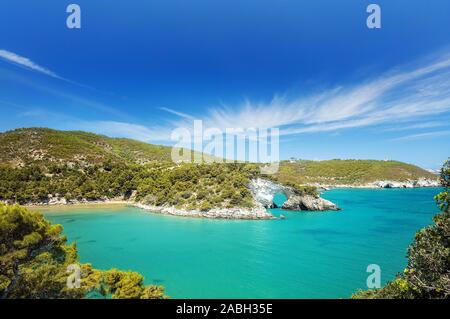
(309, 203)
(421, 182)
(264, 191)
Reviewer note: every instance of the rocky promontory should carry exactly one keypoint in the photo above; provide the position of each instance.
(264, 191)
(257, 213)
(309, 203)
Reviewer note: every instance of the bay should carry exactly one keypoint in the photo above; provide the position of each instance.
(306, 255)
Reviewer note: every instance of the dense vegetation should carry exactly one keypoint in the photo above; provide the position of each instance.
(183, 185)
(348, 172)
(198, 186)
(34, 260)
(428, 272)
(39, 164)
(41, 146)
(34, 183)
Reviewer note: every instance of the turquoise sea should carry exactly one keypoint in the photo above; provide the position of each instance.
(306, 255)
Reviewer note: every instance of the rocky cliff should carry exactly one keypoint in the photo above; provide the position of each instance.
(421, 182)
(264, 191)
(309, 203)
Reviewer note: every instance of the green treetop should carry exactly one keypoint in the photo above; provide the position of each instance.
(34, 258)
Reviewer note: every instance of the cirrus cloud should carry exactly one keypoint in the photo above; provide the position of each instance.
(27, 63)
(405, 95)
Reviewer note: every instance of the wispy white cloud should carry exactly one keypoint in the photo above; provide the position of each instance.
(177, 113)
(27, 63)
(127, 130)
(32, 113)
(424, 125)
(406, 94)
(72, 98)
(421, 136)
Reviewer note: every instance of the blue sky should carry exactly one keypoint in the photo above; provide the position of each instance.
(311, 68)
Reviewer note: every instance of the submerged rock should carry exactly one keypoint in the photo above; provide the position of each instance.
(310, 203)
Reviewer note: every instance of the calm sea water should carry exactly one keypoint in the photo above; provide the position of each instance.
(307, 255)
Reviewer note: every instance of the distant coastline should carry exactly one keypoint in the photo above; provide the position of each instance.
(419, 183)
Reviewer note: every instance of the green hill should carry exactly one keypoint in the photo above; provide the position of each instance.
(348, 172)
(23, 147)
(39, 165)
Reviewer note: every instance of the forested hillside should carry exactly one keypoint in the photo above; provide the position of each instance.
(348, 172)
(42, 146)
(38, 165)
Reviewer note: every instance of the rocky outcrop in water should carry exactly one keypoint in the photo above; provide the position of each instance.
(264, 191)
(308, 202)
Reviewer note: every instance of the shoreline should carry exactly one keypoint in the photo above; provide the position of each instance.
(235, 213)
(78, 204)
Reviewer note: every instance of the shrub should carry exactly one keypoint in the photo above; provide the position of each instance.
(34, 258)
